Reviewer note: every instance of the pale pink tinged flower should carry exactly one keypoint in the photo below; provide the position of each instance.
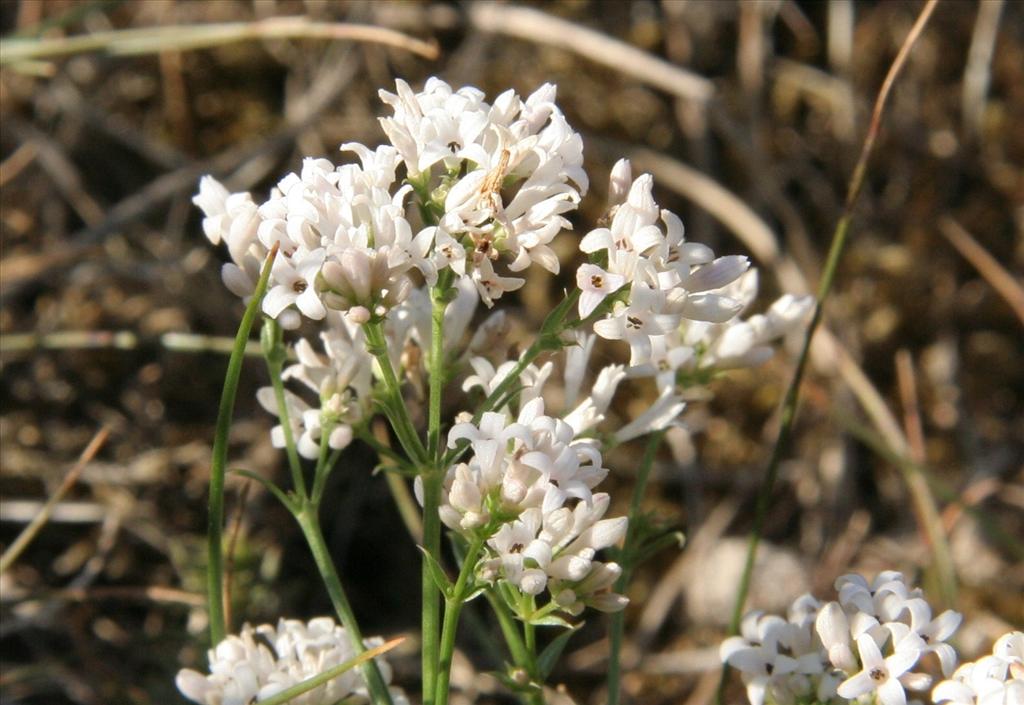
(880, 674)
(595, 284)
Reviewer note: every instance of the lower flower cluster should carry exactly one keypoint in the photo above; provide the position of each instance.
(262, 661)
(861, 648)
(526, 492)
(997, 679)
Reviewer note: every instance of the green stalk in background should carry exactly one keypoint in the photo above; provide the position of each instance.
(310, 522)
(618, 619)
(789, 404)
(219, 462)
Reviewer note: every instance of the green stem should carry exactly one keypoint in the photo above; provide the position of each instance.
(324, 464)
(394, 405)
(431, 614)
(618, 619)
(452, 611)
(219, 461)
(789, 404)
(439, 302)
(516, 646)
(509, 629)
(432, 475)
(275, 355)
(310, 524)
(530, 638)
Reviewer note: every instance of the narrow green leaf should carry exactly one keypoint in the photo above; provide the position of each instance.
(440, 578)
(553, 651)
(287, 501)
(550, 620)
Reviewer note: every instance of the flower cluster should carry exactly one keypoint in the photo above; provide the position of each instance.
(527, 490)
(780, 659)
(464, 198)
(674, 302)
(263, 661)
(860, 648)
(997, 679)
(663, 278)
(508, 172)
(340, 379)
(344, 241)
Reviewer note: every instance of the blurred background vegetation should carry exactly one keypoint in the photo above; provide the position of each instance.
(750, 115)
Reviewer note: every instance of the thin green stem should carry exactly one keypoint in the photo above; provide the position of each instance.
(309, 521)
(789, 404)
(432, 474)
(324, 464)
(275, 355)
(530, 639)
(452, 612)
(394, 405)
(219, 461)
(439, 302)
(431, 614)
(533, 697)
(514, 641)
(618, 620)
(509, 630)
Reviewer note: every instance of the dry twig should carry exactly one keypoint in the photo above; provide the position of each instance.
(542, 28)
(33, 528)
(153, 40)
(1002, 281)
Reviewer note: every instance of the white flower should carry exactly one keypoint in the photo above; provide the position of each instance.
(833, 629)
(509, 173)
(556, 550)
(262, 662)
(637, 321)
(666, 280)
(596, 284)
(662, 414)
(778, 659)
(934, 632)
(882, 674)
(991, 680)
(1010, 648)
